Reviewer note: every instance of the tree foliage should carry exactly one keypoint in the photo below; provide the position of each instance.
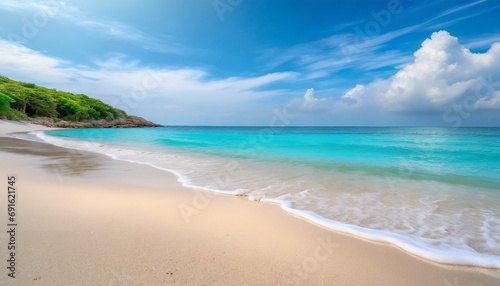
(20, 99)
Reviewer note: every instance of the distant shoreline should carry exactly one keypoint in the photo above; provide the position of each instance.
(130, 122)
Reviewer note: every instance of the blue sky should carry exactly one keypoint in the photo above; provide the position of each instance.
(242, 62)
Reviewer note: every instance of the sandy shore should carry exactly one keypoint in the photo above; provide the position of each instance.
(85, 219)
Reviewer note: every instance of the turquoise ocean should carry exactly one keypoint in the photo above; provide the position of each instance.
(434, 192)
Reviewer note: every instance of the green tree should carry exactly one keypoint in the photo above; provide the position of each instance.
(5, 101)
(23, 98)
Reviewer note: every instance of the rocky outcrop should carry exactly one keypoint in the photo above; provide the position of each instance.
(130, 121)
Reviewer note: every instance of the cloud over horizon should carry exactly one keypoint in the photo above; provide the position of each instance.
(141, 89)
(443, 77)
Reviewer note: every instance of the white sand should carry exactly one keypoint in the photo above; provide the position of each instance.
(10, 126)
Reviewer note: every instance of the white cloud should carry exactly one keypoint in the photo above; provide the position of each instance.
(309, 99)
(19, 61)
(353, 97)
(309, 103)
(443, 73)
(138, 89)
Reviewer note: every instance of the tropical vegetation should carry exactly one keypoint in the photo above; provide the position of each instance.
(21, 100)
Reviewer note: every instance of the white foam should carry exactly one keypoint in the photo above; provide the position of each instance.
(126, 155)
(457, 257)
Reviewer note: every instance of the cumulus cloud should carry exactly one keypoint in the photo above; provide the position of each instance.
(443, 73)
(309, 99)
(354, 96)
(309, 102)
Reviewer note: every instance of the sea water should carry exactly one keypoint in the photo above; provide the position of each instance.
(434, 192)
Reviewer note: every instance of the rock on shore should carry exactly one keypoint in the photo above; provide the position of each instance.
(131, 121)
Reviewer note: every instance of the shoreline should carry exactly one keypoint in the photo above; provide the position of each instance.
(410, 245)
(253, 242)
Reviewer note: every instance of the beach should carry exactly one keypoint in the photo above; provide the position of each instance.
(86, 219)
